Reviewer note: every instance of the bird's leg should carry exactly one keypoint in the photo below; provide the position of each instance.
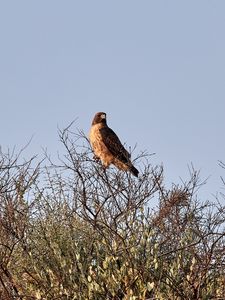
(95, 157)
(105, 165)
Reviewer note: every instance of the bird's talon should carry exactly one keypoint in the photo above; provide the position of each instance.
(96, 158)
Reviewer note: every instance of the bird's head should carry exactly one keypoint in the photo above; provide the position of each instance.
(99, 117)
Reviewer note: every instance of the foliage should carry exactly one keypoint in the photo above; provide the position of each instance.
(77, 231)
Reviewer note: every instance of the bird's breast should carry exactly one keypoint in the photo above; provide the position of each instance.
(95, 135)
(98, 145)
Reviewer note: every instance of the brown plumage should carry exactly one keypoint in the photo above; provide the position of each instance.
(107, 146)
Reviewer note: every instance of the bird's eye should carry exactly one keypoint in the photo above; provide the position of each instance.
(103, 116)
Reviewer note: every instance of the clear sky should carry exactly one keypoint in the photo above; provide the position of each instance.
(157, 68)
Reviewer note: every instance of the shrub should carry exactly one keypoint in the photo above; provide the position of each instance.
(76, 231)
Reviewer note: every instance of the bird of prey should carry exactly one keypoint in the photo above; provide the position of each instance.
(107, 146)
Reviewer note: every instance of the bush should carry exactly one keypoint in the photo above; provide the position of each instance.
(76, 231)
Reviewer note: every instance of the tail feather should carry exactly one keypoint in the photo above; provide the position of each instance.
(134, 171)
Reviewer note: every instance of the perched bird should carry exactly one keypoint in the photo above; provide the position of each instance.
(107, 146)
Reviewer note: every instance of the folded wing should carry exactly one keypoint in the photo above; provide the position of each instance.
(112, 142)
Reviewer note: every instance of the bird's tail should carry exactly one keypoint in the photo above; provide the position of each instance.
(134, 171)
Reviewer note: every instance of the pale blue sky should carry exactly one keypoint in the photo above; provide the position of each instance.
(157, 68)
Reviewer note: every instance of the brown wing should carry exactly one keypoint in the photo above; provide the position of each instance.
(112, 142)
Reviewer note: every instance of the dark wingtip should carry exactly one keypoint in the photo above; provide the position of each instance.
(134, 171)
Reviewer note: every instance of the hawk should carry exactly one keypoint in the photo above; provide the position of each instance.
(107, 146)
